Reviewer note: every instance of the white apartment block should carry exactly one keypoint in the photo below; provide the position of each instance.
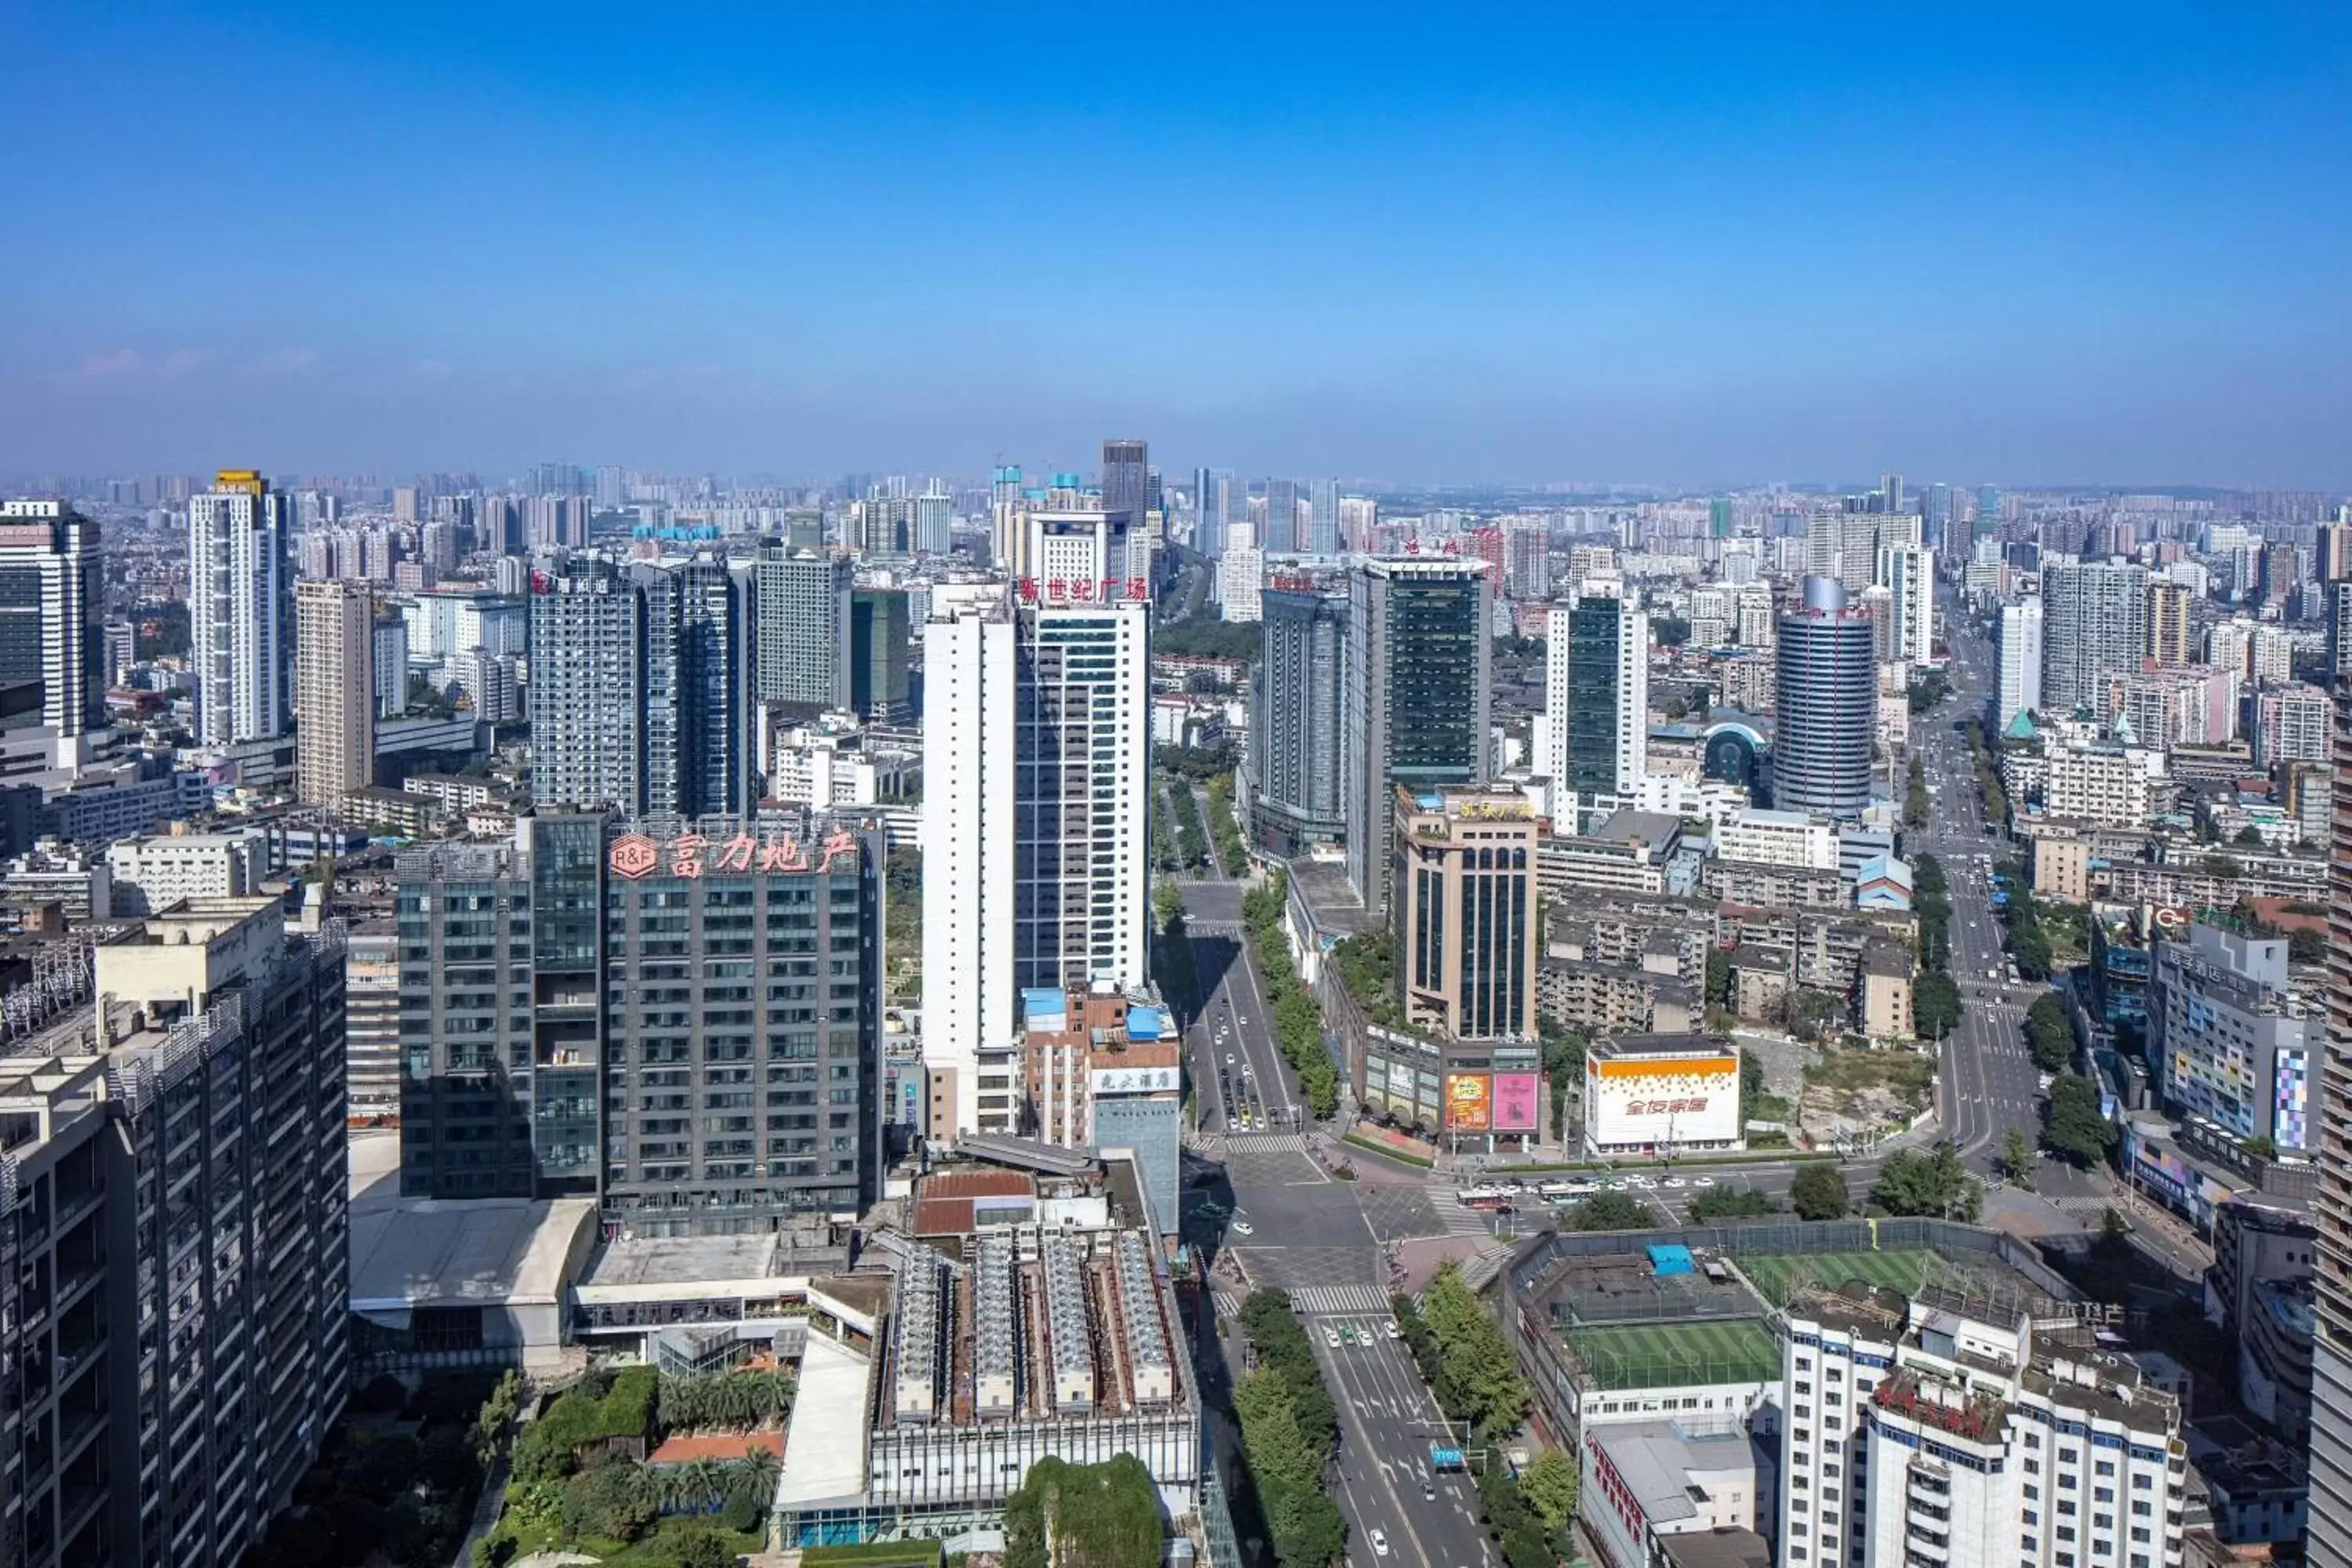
(153, 871)
(1917, 1437)
(2294, 724)
(2021, 660)
(2102, 784)
(1240, 576)
(1779, 838)
(240, 611)
(1908, 570)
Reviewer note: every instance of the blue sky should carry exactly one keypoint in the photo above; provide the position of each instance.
(1564, 242)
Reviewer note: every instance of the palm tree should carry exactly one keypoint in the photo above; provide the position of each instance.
(704, 1484)
(756, 1473)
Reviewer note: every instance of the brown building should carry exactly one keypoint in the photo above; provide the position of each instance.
(1464, 886)
(1076, 1048)
(1883, 993)
(335, 690)
(2169, 642)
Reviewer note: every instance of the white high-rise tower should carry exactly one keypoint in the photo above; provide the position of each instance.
(240, 609)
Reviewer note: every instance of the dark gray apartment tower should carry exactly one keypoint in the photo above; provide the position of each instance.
(698, 730)
(1127, 478)
(1828, 704)
(1418, 696)
(175, 1245)
(1299, 728)
(696, 1045)
(801, 607)
(881, 632)
(52, 593)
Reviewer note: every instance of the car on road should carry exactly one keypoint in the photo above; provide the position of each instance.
(1243, 1227)
(1379, 1543)
(1676, 1182)
(1702, 1180)
(1229, 1058)
(1394, 1331)
(1428, 1492)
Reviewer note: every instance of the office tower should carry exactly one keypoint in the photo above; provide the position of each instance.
(1127, 478)
(1037, 769)
(2336, 552)
(1890, 493)
(1008, 518)
(1718, 518)
(489, 682)
(390, 636)
(1828, 705)
(1907, 572)
(556, 479)
(1420, 679)
(52, 593)
(2169, 602)
(612, 487)
(1467, 942)
(1091, 551)
(2328, 1535)
(1300, 717)
(696, 1034)
(497, 526)
(1527, 559)
(587, 657)
(2021, 661)
(932, 527)
(2094, 627)
(801, 605)
(555, 522)
(240, 609)
(2282, 570)
(699, 735)
(1323, 530)
(1939, 513)
(1281, 536)
(175, 1245)
(334, 688)
(880, 633)
(1229, 505)
(1596, 699)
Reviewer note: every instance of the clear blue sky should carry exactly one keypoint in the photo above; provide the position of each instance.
(1632, 242)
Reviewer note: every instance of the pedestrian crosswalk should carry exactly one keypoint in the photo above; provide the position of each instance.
(1457, 1220)
(1333, 1300)
(1227, 1303)
(1265, 1144)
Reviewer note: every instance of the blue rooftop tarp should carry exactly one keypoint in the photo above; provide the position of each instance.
(1145, 1023)
(1668, 1259)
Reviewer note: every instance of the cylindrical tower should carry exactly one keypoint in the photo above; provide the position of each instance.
(1828, 705)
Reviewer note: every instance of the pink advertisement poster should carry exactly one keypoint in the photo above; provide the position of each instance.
(1516, 1094)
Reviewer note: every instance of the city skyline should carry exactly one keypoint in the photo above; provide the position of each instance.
(1789, 241)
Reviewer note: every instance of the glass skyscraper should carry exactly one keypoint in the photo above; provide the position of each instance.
(1828, 701)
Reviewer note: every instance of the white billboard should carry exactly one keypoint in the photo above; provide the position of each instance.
(1662, 1102)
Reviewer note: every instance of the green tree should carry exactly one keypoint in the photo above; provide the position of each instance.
(697, 1545)
(2262, 1146)
(2049, 1035)
(1670, 631)
(1818, 1192)
(1718, 975)
(1935, 1005)
(2016, 1159)
(1100, 1516)
(1725, 1202)
(1935, 1184)
(2028, 947)
(1548, 1484)
(1611, 1211)
(2077, 1131)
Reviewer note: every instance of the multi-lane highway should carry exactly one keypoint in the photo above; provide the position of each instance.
(1387, 1424)
(1240, 1080)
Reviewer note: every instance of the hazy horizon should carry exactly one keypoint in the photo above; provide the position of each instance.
(1512, 245)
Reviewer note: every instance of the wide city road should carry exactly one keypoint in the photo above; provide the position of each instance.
(1387, 1424)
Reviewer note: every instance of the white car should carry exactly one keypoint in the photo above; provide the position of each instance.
(1243, 1227)
(1394, 1331)
(1331, 1338)
(1229, 1058)
(1675, 1182)
(1380, 1544)
(1643, 1183)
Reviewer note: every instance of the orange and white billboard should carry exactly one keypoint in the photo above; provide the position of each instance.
(1469, 1105)
(1655, 1102)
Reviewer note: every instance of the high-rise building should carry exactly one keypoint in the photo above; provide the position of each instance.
(1467, 937)
(1037, 769)
(1092, 552)
(390, 636)
(1126, 476)
(2094, 627)
(694, 1037)
(2168, 639)
(1890, 493)
(801, 603)
(1907, 572)
(934, 520)
(2328, 1534)
(1418, 696)
(1323, 528)
(1596, 700)
(175, 1245)
(2340, 629)
(1281, 536)
(2021, 661)
(334, 689)
(51, 599)
(240, 609)
(1828, 705)
(1300, 717)
(880, 638)
(697, 733)
(587, 661)
(2336, 552)
(1240, 585)
(372, 1018)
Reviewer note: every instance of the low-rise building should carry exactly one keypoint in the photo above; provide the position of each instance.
(1883, 995)
(153, 871)
(1104, 1071)
(1657, 1492)
(2231, 1040)
(2259, 1292)
(1780, 838)
(1745, 882)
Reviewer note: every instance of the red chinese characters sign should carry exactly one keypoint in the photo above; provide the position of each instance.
(1083, 591)
(1667, 1107)
(690, 855)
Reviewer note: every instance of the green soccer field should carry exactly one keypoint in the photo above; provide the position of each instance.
(1896, 1270)
(1664, 1355)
